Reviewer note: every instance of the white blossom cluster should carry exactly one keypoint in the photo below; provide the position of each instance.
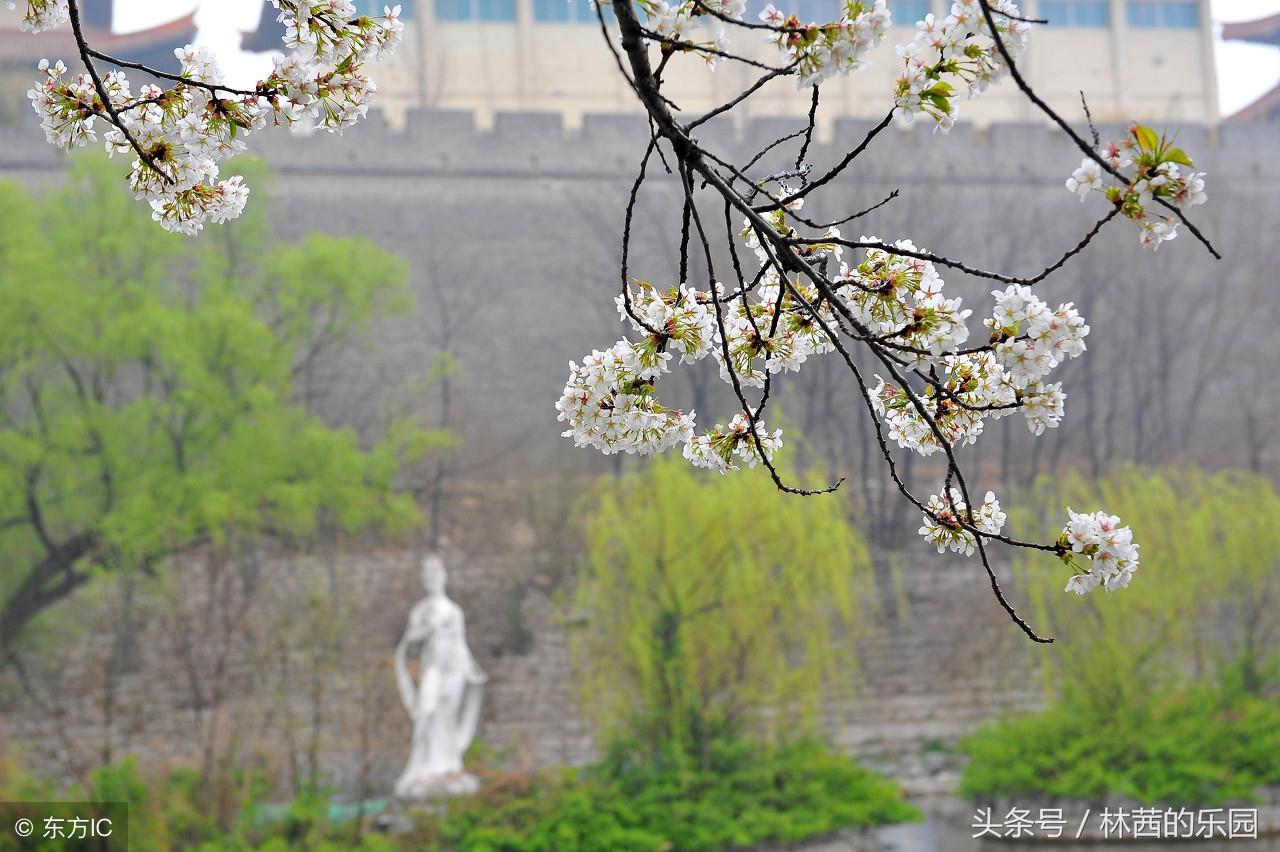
(769, 336)
(1113, 557)
(609, 400)
(1031, 339)
(959, 49)
(821, 50)
(974, 387)
(42, 15)
(943, 525)
(1156, 174)
(891, 294)
(682, 315)
(678, 22)
(178, 136)
(716, 449)
(899, 298)
(817, 49)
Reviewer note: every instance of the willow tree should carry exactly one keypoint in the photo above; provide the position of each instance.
(1212, 609)
(713, 607)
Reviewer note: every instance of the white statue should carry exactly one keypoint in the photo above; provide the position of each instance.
(445, 702)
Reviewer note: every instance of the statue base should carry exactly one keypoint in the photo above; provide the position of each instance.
(429, 787)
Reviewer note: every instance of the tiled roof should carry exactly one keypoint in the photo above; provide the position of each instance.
(1265, 30)
(153, 46)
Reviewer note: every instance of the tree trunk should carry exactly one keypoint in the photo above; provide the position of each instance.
(51, 580)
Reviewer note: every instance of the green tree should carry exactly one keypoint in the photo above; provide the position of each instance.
(1165, 691)
(708, 599)
(1203, 606)
(152, 390)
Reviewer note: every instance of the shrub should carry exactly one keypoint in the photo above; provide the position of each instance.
(1164, 692)
(1189, 748)
(749, 794)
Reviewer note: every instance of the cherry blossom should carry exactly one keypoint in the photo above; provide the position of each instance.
(820, 50)
(900, 298)
(1113, 557)
(959, 49)
(1029, 339)
(42, 15)
(715, 450)
(610, 405)
(179, 136)
(944, 524)
(1157, 179)
(676, 23)
(886, 290)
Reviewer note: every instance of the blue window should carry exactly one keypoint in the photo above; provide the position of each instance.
(476, 10)
(808, 11)
(569, 12)
(495, 10)
(1076, 13)
(814, 11)
(906, 12)
(375, 7)
(453, 10)
(1182, 15)
(1171, 14)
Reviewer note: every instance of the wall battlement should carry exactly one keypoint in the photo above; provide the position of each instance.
(539, 144)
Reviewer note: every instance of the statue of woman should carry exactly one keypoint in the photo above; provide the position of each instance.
(444, 704)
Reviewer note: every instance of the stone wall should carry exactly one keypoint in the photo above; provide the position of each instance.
(289, 661)
(518, 229)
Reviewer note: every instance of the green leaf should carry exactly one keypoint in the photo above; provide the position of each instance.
(199, 434)
(1147, 138)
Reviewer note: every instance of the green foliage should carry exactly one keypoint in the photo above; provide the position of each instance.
(1204, 601)
(708, 599)
(1197, 747)
(749, 793)
(1165, 691)
(170, 812)
(155, 388)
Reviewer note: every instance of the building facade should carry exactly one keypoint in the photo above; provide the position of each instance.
(1134, 59)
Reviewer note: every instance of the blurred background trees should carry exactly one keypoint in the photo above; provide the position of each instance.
(713, 608)
(158, 391)
(1165, 696)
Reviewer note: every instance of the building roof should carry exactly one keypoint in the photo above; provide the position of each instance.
(1265, 108)
(1261, 31)
(152, 46)
(268, 34)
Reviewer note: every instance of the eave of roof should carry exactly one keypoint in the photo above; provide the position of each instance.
(1265, 30)
(27, 48)
(1265, 108)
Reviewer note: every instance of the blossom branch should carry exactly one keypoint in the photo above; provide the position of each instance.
(806, 300)
(86, 56)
